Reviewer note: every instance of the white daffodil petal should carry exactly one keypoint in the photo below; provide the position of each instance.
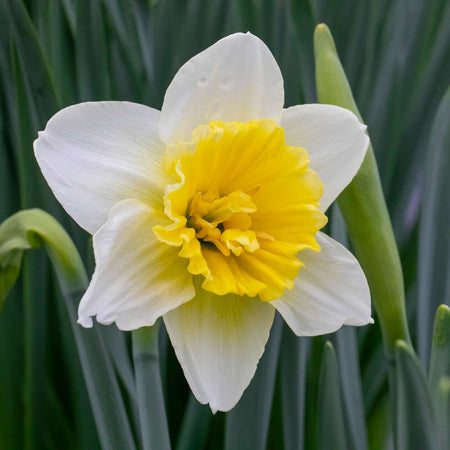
(137, 278)
(335, 140)
(219, 341)
(96, 154)
(235, 80)
(330, 291)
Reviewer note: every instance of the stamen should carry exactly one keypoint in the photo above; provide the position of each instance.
(213, 217)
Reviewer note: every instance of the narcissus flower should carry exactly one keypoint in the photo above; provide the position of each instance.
(208, 212)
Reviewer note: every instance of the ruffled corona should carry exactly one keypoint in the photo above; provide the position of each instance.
(243, 205)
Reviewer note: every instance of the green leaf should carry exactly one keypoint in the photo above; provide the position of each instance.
(316, 345)
(73, 385)
(9, 199)
(11, 372)
(69, 9)
(347, 351)
(35, 228)
(379, 425)
(59, 50)
(443, 411)
(8, 277)
(414, 422)
(152, 409)
(116, 340)
(195, 426)
(440, 351)
(60, 420)
(35, 65)
(111, 420)
(294, 351)
(330, 414)
(374, 376)
(300, 22)
(434, 238)
(91, 54)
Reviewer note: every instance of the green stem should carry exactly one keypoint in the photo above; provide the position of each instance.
(106, 400)
(370, 230)
(152, 410)
(363, 206)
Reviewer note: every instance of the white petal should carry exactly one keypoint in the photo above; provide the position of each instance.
(330, 291)
(236, 79)
(335, 141)
(219, 341)
(137, 278)
(96, 154)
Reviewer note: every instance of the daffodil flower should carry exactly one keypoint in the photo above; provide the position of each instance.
(208, 213)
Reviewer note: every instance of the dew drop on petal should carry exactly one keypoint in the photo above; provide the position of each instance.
(202, 82)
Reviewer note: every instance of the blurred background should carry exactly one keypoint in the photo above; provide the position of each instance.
(54, 53)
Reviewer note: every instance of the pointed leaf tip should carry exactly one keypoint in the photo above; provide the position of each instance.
(323, 39)
(330, 421)
(329, 347)
(440, 352)
(414, 421)
(441, 331)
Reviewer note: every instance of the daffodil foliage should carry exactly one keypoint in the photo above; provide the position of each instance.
(228, 217)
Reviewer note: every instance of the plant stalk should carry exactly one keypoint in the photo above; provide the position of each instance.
(152, 409)
(363, 206)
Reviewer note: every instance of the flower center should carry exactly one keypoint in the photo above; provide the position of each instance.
(242, 206)
(224, 221)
